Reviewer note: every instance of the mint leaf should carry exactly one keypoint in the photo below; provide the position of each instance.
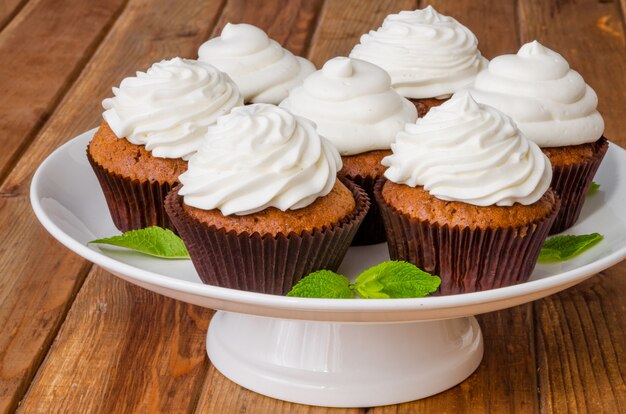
(561, 248)
(395, 279)
(154, 241)
(593, 188)
(323, 284)
(391, 279)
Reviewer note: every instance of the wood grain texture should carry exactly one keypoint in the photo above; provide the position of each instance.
(126, 30)
(123, 349)
(290, 22)
(32, 318)
(35, 294)
(580, 341)
(40, 277)
(220, 395)
(44, 52)
(590, 35)
(581, 346)
(147, 31)
(494, 22)
(342, 22)
(8, 10)
(505, 380)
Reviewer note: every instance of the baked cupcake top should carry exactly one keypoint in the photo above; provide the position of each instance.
(427, 54)
(468, 152)
(549, 102)
(353, 105)
(260, 156)
(262, 68)
(169, 107)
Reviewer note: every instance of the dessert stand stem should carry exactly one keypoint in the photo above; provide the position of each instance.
(336, 364)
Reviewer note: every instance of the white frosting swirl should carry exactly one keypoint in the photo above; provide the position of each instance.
(468, 152)
(427, 55)
(260, 156)
(262, 68)
(353, 105)
(169, 107)
(549, 102)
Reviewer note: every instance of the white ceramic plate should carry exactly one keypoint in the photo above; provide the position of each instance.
(68, 201)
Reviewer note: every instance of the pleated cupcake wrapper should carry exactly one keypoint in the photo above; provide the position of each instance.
(372, 230)
(267, 264)
(571, 183)
(467, 260)
(133, 204)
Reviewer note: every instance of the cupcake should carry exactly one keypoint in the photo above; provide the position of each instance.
(554, 107)
(262, 69)
(261, 206)
(467, 197)
(152, 125)
(353, 105)
(429, 56)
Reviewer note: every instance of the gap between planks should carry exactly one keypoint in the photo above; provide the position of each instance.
(18, 149)
(10, 8)
(68, 118)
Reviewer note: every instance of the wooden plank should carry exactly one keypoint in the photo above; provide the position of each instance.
(505, 380)
(220, 395)
(123, 349)
(493, 22)
(33, 298)
(129, 29)
(40, 277)
(342, 22)
(289, 22)
(8, 10)
(44, 51)
(581, 346)
(590, 35)
(580, 333)
(623, 7)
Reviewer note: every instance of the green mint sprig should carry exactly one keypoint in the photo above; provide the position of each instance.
(561, 248)
(154, 241)
(593, 188)
(391, 279)
(323, 284)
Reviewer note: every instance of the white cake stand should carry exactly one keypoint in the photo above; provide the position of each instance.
(329, 352)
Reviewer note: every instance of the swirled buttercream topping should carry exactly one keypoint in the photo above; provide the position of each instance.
(549, 102)
(353, 105)
(169, 107)
(468, 152)
(427, 54)
(262, 68)
(260, 156)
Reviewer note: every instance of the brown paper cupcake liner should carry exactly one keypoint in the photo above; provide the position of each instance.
(571, 183)
(467, 260)
(372, 230)
(133, 204)
(264, 263)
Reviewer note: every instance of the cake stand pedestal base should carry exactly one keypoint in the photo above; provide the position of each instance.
(337, 364)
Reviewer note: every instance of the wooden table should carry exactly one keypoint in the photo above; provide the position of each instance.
(76, 339)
